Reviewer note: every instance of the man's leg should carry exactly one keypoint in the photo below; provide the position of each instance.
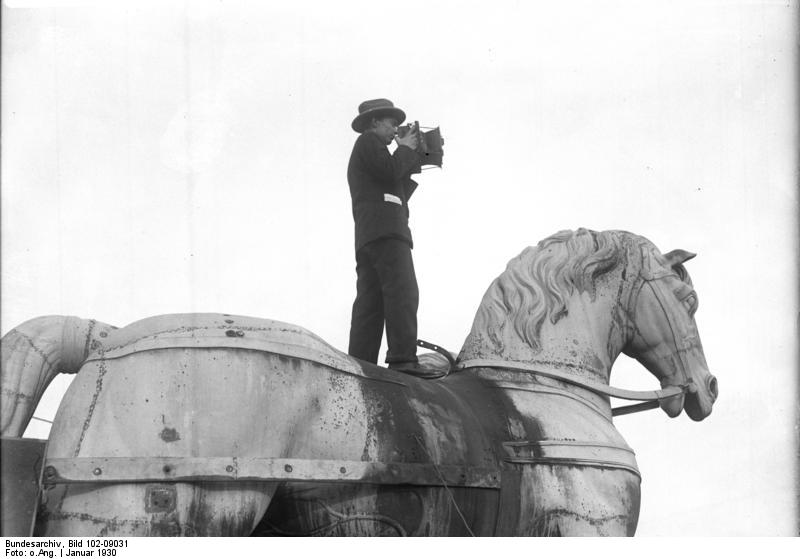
(395, 268)
(366, 323)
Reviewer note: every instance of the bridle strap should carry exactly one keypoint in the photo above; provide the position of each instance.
(652, 279)
(657, 290)
(596, 387)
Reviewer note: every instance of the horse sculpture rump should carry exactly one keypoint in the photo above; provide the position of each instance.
(222, 425)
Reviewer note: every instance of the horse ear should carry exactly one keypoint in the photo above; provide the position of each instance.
(675, 257)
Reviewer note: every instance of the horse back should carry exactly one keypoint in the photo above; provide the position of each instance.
(326, 440)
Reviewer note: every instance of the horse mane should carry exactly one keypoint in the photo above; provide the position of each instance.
(537, 284)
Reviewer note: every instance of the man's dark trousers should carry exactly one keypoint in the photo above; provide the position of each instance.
(386, 290)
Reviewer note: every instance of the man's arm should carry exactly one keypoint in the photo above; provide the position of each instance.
(385, 166)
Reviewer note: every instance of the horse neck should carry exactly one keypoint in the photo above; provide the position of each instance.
(583, 344)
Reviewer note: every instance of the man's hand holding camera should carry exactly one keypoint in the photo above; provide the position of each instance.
(408, 137)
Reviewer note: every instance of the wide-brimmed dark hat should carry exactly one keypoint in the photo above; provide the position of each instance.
(376, 108)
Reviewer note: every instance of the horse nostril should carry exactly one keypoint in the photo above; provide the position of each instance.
(712, 387)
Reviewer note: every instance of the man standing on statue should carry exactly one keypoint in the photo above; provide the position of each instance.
(386, 287)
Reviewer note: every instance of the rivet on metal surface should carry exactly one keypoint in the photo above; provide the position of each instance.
(343, 470)
(288, 467)
(229, 469)
(167, 469)
(97, 471)
(229, 321)
(234, 333)
(103, 334)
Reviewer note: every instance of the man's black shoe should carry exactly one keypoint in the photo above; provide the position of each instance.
(415, 369)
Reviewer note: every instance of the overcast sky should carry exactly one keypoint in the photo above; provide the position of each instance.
(161, 159)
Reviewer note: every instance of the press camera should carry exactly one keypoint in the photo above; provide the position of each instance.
(430, 143)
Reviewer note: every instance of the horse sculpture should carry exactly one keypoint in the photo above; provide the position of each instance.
(206, 424)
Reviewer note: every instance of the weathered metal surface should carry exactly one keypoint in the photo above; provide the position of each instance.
(183, 469)
(22, 461)
(362, 423)
(201, 387)
(361, 510)
(214, 331)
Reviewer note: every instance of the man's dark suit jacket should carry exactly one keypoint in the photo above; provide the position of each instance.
(380, 188)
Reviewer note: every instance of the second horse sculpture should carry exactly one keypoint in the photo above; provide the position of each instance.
(206, 424)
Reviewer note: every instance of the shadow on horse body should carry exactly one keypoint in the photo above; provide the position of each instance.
(207, 424)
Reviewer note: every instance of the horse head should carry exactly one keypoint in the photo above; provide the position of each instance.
(663, 334)
(578, 299)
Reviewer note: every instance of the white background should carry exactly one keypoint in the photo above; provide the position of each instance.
(163, 159)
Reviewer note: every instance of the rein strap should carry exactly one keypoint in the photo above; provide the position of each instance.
(597, 388)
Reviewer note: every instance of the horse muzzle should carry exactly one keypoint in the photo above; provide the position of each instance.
(700, 401)
(697, 401)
